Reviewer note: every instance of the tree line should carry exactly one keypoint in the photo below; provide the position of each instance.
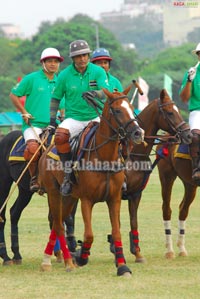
(20, 57)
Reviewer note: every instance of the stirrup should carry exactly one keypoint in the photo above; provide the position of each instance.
(34, 186)
(66, 187)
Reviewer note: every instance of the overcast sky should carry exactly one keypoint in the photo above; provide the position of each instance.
(28, 14)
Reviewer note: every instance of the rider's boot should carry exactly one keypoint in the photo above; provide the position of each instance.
(66, 187)
(34, 185)
(195, 156)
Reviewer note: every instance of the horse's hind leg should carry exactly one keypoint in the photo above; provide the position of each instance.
(16, 210)
(133, 204)
(82, 255)
(189, 195)
(167, 177)
(70, 228)
(4, 192)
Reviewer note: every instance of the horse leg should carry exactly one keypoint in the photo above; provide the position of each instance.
(4, 192)
(189, 195)
(167, 177)
(70, 228)
(133, 204)
(3, 250)
(57, 232)
(114, 206)
(16, 210)
(82, 255)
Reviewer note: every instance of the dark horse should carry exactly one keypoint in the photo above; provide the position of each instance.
(170, 167)
(161, 113)
(10, 172)
(99, 177)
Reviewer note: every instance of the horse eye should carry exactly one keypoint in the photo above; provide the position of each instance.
(117, 111)
(170, 113)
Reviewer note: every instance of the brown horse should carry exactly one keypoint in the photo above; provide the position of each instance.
(99, 177)
(171, 167)
(162, 114)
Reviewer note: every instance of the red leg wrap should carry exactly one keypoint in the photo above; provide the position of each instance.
(135, 238)
(64, 247)
(119, 253)
(51, 243)
(85, 250)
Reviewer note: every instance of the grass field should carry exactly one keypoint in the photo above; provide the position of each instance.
(158, 278)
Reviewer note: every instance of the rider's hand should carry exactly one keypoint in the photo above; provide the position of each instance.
(27, 117)
(51, 127)
(89, 95)
(191, 74)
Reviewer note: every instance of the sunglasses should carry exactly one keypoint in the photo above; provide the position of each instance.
(198, 53)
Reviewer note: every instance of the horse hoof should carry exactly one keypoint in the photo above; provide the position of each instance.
(17, 262)
(7, 263)
(124, 271)
(183, 253)
(70, 266)
(170, 255)
(140, 260)
(46, 267)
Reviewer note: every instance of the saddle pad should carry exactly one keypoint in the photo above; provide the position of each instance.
(54, 154)
(17, 151)
(182, 151)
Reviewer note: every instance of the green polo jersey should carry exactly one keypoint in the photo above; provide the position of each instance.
(194, 101)
(71, 84)
(38, 90)
(114, 83)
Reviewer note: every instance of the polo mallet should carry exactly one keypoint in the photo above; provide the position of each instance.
(137, 89)
(21, 175)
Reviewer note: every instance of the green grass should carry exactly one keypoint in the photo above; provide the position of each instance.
(157, 278)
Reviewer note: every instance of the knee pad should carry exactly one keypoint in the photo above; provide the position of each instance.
(62, 140)
(31, 148)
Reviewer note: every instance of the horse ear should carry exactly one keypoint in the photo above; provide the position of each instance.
(163, 94)
(126, 91)
(107, 93)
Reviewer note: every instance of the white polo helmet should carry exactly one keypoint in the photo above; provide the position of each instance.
(79, 47)
(197, 48)
(51, 53)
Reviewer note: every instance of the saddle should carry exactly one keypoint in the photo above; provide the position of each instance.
(77, 143)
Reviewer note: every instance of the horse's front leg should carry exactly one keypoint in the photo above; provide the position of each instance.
(133, 204)
(82, 255)
(114, 205)
(189, 195)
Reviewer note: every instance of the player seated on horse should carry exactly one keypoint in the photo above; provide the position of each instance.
(37, 87)
(190, 93)
(80, 77)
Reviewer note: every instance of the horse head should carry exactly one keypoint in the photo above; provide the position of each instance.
(121, 117)
(171, 120)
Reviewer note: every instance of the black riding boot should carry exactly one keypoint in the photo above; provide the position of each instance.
(66, 187)
(195, 156)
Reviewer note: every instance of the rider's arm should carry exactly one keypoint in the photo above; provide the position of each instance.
(186, 92)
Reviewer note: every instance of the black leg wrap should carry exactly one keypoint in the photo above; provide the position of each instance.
(122, 270)
(112, 246)
(72, 244)
(81, 255)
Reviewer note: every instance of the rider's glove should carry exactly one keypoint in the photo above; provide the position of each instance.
(89, 95)
(191, 74)
(51, 127)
